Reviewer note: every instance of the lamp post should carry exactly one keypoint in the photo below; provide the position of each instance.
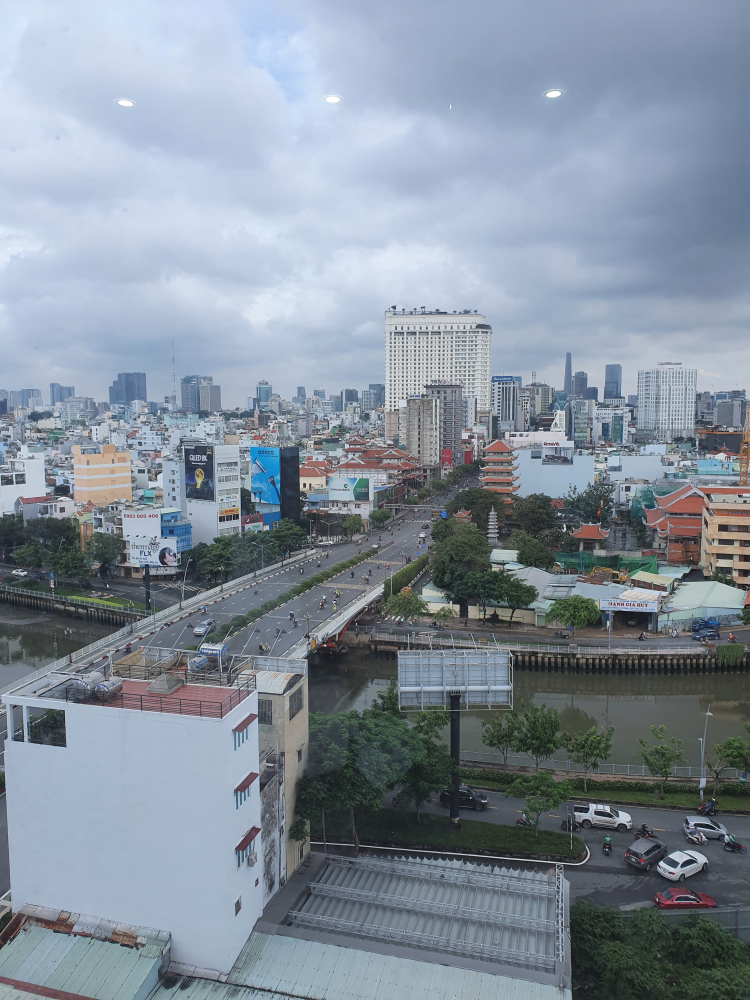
(184, 577)
(702, 741)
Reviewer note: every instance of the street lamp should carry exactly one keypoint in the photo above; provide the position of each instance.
(702, 741)
(184, 577)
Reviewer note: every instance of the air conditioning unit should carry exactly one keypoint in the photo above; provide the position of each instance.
(252, 859)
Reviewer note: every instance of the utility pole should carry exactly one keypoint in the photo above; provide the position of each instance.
(147, 585)
(455, 820)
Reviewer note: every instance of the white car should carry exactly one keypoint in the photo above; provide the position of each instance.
(679, 864)
(590, 814)
(19, 572)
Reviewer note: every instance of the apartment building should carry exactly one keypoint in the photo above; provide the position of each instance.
(666, 401)
(725, 540)
(101, 477)
(21, 476)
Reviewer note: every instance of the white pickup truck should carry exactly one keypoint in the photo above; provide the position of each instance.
(590, 814)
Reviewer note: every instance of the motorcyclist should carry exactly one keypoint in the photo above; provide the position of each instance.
(731, 637)
(607, 841)
(710, 808)
(645, 830)
(642, 636)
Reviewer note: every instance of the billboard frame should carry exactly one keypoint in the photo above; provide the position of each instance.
(427, 678)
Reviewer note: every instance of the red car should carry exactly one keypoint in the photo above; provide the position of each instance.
(683, 899)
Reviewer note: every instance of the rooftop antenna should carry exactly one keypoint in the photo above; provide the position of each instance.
(533, 378)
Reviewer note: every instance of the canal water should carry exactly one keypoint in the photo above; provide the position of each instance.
(30, 639)
(630, 704)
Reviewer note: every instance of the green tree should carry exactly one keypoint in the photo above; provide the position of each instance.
(660, 756)
(406, 603)
(594, 504)
(533, 553)
(539, 734)
(533, 513)
(733, 752)
(353, 759)
(557, 540)
(515, 593)
(500, 732)
(431, 722)
(104, 548)
(746, 615)
(540, 793)
(517, 538)
(479, 503)
(589, 749)
(430, 772)
(481, 587)
(11, 535)
(424, 492)
(71, 564)
(387, 700)
(380, 517)
(286, 536)
(464, 550)
(353, 524)
(576, 611)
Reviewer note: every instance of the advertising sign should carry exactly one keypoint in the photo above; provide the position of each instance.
(141, 523)
(446, 458)
(348, 488)
(265, 477)
(199, 472)
(152, 551)
(618, 605)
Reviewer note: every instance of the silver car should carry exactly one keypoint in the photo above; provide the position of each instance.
(708, 827)
(203, 628)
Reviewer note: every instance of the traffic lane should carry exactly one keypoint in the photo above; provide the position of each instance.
(609, 880)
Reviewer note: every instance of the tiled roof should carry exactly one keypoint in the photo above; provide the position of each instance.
(591, 531)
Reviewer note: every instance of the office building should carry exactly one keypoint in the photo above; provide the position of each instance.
(378, 391)
(580, 383)
(319, 393)
(505, 402)
(666, 401)
(422, 347)
(263, 393)
(189, 396)
(209, 395)
(127, 387)
(32, 399)
(633, 400)
(613, 382)
(591, 392)
(568, 383)
(336, 402)
(301, 393)
(101, 477)
(351, 396)
(78, 408)
(725, 542)
(59, 393)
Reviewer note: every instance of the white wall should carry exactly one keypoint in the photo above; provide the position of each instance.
(135, 821)
(554, 480)
(34, 486)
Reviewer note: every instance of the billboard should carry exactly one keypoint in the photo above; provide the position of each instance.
(199, 472)
(145, 551)
(141, 524)
(446, 458)
(483, 678)
(265, 476)
(349, 488)
(615, 604)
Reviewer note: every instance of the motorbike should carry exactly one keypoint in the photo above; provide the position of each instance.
(733, 638)
(570, 824)
(642, 637)
(560, 634)
(645, 832)
(735, 848)
(522, 821)
(707, 809)
(295, 623)
(697, 838)
(607, 849)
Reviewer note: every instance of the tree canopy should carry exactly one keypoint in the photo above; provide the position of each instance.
(463, 550)
(479, 503)
(576, 611)
(533, 513)
(533, 553)
(595, 504)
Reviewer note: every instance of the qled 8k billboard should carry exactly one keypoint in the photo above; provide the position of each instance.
(199, 472)
(265, 476)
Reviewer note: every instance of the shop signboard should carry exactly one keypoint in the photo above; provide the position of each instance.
(145, 551)
(616, 604)
(199, 472)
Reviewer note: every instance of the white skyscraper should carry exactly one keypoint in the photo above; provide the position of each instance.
(666, 400)
(423, 347)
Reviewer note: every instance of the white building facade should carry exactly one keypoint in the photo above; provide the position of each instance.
(144, 811)
(423, 347)
(666, 400)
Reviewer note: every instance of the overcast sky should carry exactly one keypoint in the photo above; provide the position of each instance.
(266, 231)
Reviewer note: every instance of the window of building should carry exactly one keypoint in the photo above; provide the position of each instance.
(265, 711)
(242, 791)
(299, 756)
(47, 726)
(241, 733)
(296, 702)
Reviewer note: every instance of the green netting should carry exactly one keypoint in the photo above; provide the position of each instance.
(584, 562)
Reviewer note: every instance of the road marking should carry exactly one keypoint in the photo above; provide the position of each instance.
(658, 829)
(492, 807)
(553, 815)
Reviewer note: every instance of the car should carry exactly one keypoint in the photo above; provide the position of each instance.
(701, 623)
(644, 854)
(679, 864)
(424, 527)
(708, 633)
(590, 814)
(468, 798)
(709, 827)
(19, 572)
(204, 627)
(683, 899)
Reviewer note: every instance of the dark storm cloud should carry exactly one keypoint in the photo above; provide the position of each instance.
(265, 231)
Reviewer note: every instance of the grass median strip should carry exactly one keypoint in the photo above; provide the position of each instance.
(397, 828)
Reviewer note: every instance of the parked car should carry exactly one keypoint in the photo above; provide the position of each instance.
(468, 798)
(590, 814)
(679, 864)
(644, 854)
(711, 828)
(683, 899)
(204, 627)
(708, 633)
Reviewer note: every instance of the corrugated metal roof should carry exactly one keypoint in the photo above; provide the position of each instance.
(82, 965)
(273, 682)
(285, 966)
(710, 594)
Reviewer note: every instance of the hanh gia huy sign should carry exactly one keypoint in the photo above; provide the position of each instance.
(619, 605)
